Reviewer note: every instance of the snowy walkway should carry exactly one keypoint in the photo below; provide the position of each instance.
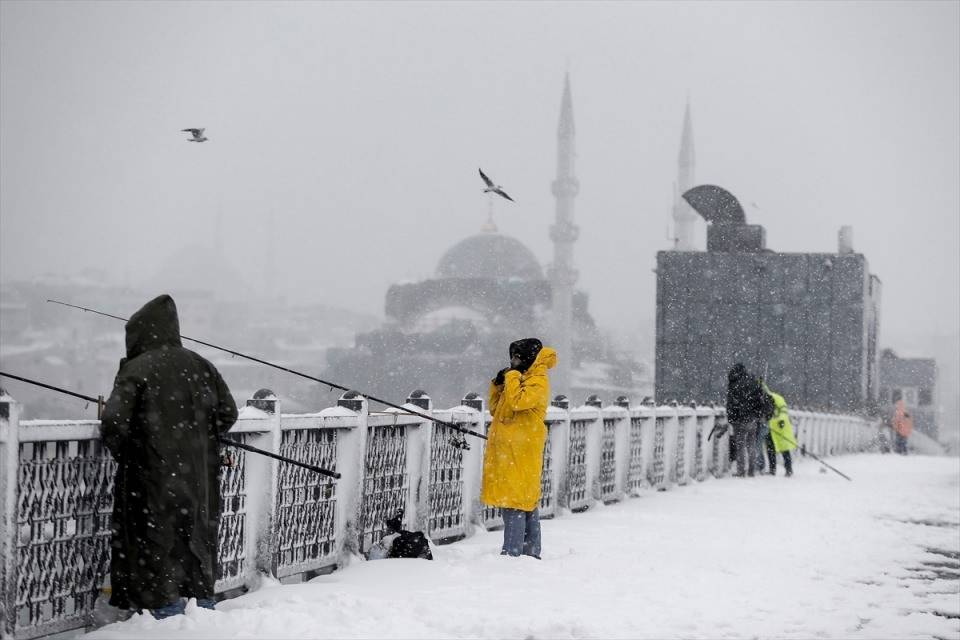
(812, 556)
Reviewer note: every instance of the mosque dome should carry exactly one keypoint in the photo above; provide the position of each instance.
(490, 255)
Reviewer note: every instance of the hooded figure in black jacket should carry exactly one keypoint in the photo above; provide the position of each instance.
(161, 424)
(745, 401)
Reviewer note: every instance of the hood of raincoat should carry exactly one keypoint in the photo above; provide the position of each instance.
(155, 325)
(526, 350)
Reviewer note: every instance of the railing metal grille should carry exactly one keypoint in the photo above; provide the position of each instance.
(306, 501)
(385, 482)
(546, 477)
(63, 517)
(232, 532)
(446, 483)
(577, 464)
(700, 457)
(635, 478)
(657, 470)
(608, 459)
(680, 463)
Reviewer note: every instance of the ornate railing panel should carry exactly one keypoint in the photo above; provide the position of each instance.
(62, 526)
(635, 474)
(658, 474)
(232, 532)
(546, 477)
(446, 482)
(577, 495)
(386, 485)
(306, 502)
(700, 456)
(608, 460)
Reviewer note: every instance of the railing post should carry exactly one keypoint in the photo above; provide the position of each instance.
(9, 457)
(351, 462)
(473, 466)
(419, 446)
(559, 413)
(265, 534)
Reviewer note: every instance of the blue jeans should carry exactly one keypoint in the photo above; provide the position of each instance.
(521, 532)
(176, 608)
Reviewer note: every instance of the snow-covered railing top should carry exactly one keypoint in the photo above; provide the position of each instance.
(56, 487)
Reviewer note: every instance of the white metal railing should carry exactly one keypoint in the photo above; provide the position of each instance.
(56, 482)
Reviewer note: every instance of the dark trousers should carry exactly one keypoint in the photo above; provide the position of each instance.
(521, 532)
(899, 444)
(772, 454)
(745, 434)
(787, 461)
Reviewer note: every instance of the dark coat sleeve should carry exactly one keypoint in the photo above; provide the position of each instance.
(226, 406)
(118, 412)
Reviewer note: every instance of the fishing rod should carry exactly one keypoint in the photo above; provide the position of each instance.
(332, 385)
(223, 439)
(803, 451)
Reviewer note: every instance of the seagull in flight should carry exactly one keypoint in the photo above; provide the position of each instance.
(493, 188)
(197, 135)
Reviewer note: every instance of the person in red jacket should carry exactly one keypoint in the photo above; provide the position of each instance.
(902, 427)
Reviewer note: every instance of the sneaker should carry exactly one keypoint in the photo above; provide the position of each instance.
(169, 610)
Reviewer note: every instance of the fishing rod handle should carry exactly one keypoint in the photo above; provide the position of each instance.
(233, 443)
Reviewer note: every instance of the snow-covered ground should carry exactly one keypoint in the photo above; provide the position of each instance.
(813, 556)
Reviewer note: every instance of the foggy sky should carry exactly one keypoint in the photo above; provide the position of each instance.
(358, 129)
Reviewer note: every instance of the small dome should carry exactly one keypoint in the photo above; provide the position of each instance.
(489, 255)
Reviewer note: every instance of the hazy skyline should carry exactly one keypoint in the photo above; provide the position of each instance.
(358, 129)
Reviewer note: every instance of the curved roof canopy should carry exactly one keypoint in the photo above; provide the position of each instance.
(715, 204)
(490, 256)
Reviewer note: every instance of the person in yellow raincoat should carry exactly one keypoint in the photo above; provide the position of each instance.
(781, 431)
(513, 459)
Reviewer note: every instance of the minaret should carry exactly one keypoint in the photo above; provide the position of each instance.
(564, 233)
(683, 215)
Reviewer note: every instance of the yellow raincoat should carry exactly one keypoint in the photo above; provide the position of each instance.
(783, 438)
(513, 459)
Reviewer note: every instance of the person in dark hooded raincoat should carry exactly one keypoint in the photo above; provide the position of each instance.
(161, 423)
(745, 400)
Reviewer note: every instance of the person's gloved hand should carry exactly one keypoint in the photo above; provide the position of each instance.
(782, 424)
(498, 380)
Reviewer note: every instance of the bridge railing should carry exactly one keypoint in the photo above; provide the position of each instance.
(56, 484)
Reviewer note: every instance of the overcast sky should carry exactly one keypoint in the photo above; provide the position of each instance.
(359, 128)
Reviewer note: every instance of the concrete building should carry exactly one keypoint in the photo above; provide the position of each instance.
(808, 322)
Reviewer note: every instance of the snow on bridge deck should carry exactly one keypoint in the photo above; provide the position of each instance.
(813, 556)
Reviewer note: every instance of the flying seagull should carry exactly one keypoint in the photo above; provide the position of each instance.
(197, 135)
(493, 188)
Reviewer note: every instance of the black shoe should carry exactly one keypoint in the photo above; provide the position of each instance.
(772, 472)
(789, 473)
(750, 474)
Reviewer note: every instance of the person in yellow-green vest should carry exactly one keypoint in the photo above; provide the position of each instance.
(513, 458)
(781, 433)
